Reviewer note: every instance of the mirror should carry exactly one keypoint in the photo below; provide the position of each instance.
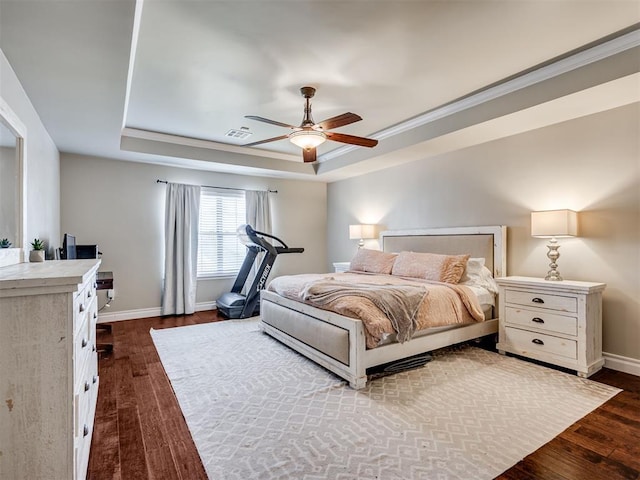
(12, 187)
(8, 187)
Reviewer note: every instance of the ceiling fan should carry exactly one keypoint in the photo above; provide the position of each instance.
(310, 134)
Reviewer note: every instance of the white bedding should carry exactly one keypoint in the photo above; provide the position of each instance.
(485, 297)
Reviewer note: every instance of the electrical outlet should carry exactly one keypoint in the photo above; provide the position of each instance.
(111, 294)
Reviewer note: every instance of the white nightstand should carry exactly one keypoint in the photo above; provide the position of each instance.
(341, 266)
(554, 322)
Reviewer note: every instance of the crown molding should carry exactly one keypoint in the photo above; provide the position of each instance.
(533, 76)
(129, 132)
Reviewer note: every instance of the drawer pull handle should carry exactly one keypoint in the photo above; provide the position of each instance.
(537, 320)
(95, 379)
(537, 300)
(537, 341)
(85, 430)
(84, 342)
(82, 307)
(89, 294)
(87, 386)
(93, 348)
(95, 315)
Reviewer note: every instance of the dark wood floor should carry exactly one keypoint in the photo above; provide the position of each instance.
(140, 432)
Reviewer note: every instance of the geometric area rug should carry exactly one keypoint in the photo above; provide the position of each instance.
(258, 410)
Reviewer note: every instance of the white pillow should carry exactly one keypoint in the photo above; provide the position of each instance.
(478, 275)
(474, 267)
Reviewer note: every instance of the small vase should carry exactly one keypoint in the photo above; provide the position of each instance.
(36, 256)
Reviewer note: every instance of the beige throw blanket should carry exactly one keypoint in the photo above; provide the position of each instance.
(445, 304)
(400, 303)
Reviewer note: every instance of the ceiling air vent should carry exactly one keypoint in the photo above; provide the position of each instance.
(239, 134)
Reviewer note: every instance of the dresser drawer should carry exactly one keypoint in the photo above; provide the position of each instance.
(83, 399)
(542, 320)
(85, 345)
(90, 291)
(542, 300)
(92, 315)
(82, 347)
(82, 450)
(525, 342)
(85, 408)
(80, 309)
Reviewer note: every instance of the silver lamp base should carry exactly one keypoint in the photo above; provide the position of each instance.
(553, 254)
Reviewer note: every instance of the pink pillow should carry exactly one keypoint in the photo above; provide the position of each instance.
(430, 266)
(373, 261)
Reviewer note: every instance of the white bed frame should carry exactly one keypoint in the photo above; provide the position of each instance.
(306, 328)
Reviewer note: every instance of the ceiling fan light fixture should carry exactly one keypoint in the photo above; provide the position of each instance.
(307, 139)
(310, 135)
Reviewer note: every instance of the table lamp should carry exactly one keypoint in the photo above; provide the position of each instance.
(361, 232)
(553, 224)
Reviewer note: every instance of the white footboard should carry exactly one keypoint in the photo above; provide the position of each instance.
(338, 343)
(333, 341)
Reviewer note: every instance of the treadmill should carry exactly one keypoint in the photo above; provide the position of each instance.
(235, 304)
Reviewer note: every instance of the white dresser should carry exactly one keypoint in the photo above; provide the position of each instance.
(48, 368)
(554, 322)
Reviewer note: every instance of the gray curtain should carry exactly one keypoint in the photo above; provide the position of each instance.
(259, 217)
(181, 249)
(258, 210)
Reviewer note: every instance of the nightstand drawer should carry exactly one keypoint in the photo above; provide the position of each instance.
(542, 320)
(525, 342)
(542, 300)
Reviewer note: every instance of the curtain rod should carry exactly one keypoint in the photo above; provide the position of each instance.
(224, 188)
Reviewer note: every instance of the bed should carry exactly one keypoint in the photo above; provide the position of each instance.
(338, 342)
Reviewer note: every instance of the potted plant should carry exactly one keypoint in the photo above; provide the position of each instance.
(37, 254)
(5, 243)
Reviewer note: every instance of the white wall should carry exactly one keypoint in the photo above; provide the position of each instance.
(42, 158)
(591, 165)
(119, 206)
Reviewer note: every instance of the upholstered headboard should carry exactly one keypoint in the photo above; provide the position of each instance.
(489, 242)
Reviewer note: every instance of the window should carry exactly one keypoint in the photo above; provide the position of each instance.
(220, 253)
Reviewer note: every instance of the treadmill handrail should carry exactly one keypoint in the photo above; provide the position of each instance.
(270, 236)
(289, 250)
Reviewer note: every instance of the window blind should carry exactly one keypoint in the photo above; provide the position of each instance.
(221, 213)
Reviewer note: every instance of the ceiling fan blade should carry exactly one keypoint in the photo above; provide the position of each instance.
(272, 122)
(339, 121)
(351, 139)
(309, 155)
(281, 137)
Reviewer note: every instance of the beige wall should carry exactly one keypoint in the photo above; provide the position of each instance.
(43, 162)
(591, 165)
(119, 206)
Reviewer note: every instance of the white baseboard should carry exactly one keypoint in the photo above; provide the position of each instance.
(105, 317)
(622, 364)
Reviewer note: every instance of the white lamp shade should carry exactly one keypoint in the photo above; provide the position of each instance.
(554, 223)
(307, 138)
(362, 231)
